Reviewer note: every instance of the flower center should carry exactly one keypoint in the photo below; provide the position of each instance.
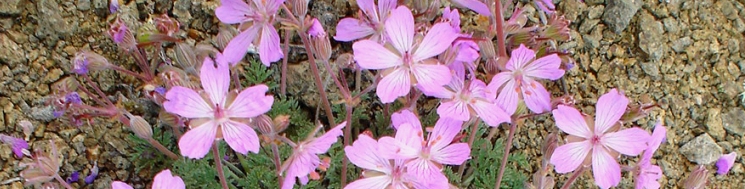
(220, 114)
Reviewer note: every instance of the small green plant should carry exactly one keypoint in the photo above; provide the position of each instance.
(486, 159)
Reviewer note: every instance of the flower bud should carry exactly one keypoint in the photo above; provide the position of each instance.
(85, 61)
(264, 124)
(224, 35)
(299, 7)
(281, 122)
(319, 41)
(166, 25)
(65, 85)
(697, 179)
(122, 36)
(557, 28)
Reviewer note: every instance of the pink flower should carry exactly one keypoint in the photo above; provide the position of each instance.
(460, 102)
(165, 179)
(408, 59)
(647, 173)
(350, 29)
(260, 15)
(475, 5)
(598, 140)
(383, 173)
(217, 112)
(304, 159)
(725, 163)
(426, 157)
(120, 185)
(404, 117)
(519, 81)
(17, 145)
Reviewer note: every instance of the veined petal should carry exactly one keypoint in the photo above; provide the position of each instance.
(490, 112)
(367, 7)
(431, 75)
(394, 85)
(300, 164)
(437, 40)
(658, 135)
(240, 137)
(251, 102)
(453, 154)
(215, 80)
(454, 109)
(605, 169)
(520, 57)
(508, 97)
(410, 136)
(571, 122)
(423, 168)
(536, 98)
(405, 116)
(444, 132)
(385, 7)
(364, 153)
(350, 29)
(371, 55)
(165, 180)
(322, 144)
(496, 84)
(377, 182)
(237, 47)
(273, 5)
(568, 157)
(609, 109)
(187, 103)
(546, 67)
(196, 142)
(233, 11)
(269, 50)
(400, 29)
(629, 142)
(475, 5)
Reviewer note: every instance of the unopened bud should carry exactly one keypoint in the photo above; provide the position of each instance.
(168, 118)
(224, 35)
(697, 179)
(281, 122)
(140, 127)
(166, 25)
(557, 28)
(65, 85)
(122, 36)
(320, 41)
(299, 7)
(264, 124)
(114, 6)
(185, 56)
(86, 61)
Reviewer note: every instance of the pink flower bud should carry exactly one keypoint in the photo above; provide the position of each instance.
(140, 127)
(697, 179)
(319, 41)
(86, 61)
(122, 36)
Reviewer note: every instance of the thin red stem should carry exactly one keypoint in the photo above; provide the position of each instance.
(347, 140)
(162, 149)
(218, 166)
(498, 22)
(574, 177)
(283, 76)
(507, 148)
(471, 138)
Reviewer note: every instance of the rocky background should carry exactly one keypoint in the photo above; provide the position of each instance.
(686, 55)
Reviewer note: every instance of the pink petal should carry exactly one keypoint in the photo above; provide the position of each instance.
(404, 116)
(609, 109)
(233, 11)
(400, 29)
(406, 145)
(508, 97)
(120, 185)
(444, 132)
(438, 39)
(376, 182)
(251, 102)
(350, 29)
(605, 169)
(658, 135)
(196, 142)
(648, 177)
(431, 75)
(568, 157)
(165, 180)
(423, 168)
(187, 103)
(411, 136)
(237, 47)
(273, 5)
(455, 109)
(385, 7)
(367, 7)
(520, 57)
(536, 98)
(475, 5)
(364, 153)
(300, 164)
(269, 50)
(454, 154)
(215, 80)
(240, 137)
(546, 67)
(322, 144)
(496, 84)
(371, 55)
(491, 113)
(725, 163)
(394, 85)
(629, 142)
(478, 89)
(571, 122)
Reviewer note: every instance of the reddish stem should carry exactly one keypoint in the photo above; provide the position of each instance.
(507, 148)
(283, 75)
(218, 166)
(498, 22)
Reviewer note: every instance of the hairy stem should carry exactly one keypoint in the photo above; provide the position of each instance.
(471, 138)
(507, 148)
(62, 181)
(347, 140)
(218, 166)
(283, 75)
(131, 73)
(498, 22)
(574, 177)
(98, 90)
(162, 148)
(277, 163)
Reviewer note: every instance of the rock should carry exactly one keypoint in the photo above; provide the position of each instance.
(734, 121)
(651, 40)
(84, 5)
(702, 150)
(680, 45)
(714, 123)
(9, 52)
(181, 11)
(52, 26)
(652, 69)
(595, 12)
(618, 13)
(10, 7)
(588, 25)
(43, 113)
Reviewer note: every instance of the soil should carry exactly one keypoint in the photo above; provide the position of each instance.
(685, 55)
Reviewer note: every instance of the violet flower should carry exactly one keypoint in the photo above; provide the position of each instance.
(304, 158)
(599, 141)
(18, 145)
(74, 177)
(519, 81)
(259, 14)
(407, 58)
(217, 112)
(94, 173)
(371, 24)
(725, 163)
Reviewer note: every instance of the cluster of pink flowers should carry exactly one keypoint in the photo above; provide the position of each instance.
(163, 180)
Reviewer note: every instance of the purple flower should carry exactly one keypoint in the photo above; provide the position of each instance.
(407, 58)
(94, 173)
(519, 81)
(73, 177)
(160, 90)
(114, 6)
(304, 158)
(597, 139)
(350, 29)
(73, 98)
(404, 117)
(725, 163)
(18, 145)
(260, 16)
(217, 112)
